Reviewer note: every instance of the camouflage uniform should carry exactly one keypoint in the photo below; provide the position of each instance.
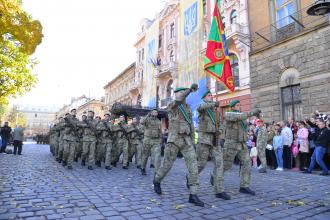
(70, 139)
(261, 145)
(89, 140)
(52, 139)
(56, 140)
(152, 140)
(235, 144)
(180, 138)
(206, 143)
(121, 143)
(105, 141)
(60, 127)
(79, 143)
(134, 131)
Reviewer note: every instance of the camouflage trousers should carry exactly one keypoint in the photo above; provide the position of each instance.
(262, 154)
(139, 152)
(99, 152)
(203, 153)
(78, 151)
(121, 147)
(153, 149)
(233, 148)
(60, 149)
(88, 153)
(68, 153)
(108, 150)
(131, 151)
(184, 144)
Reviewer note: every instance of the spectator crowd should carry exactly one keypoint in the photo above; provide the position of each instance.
(292, 145)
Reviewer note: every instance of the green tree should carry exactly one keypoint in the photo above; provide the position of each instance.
(16, 118)
(19, 37)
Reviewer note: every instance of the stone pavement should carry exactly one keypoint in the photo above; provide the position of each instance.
(34, 186)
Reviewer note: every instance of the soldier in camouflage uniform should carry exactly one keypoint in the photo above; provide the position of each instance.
(52, 134)
(99, 148)
(89, 140)
(121, 142)
(235, 144)
(104, 128)
(61, 139)
(152, 140)
(80, 133)
(208, 144)
(70, 138)
(57, 138)
(261, 145)
(180, 138)
(135, 136)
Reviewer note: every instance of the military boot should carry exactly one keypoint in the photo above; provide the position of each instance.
(195, 200)
(247, 190)
(157, 187)
(98, 163)
(143, 172)
(212, 180)
(59, 160)
(107, 167)
(76, 159)
(152, 166)
(64, 163)
(83, 163)
(125, 167)
(90, 167)
(138, 166)
(223, 195)
(187, 182)
(70, 167)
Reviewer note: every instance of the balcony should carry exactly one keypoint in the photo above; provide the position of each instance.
(286, 28)
(167, 69)
(136, 85)
(165, 102)
(236, 29)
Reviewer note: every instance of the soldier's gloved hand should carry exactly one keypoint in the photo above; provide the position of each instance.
(194, 87)
(217, 104)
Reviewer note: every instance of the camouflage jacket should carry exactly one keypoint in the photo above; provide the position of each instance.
(262, 137)
(105, 131)
(178, 125)
(234, 126)
(70, 128)
(120, 130)
(135, 133)
(152, 127)
(89, 126)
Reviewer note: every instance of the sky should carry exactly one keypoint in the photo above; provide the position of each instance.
(86, 44)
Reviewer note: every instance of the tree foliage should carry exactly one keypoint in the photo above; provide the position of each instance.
(15, 117)
(19, 37)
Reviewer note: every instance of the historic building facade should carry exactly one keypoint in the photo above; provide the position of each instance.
(120, 88)
(290, 68)
(95, 105)
(234, 15)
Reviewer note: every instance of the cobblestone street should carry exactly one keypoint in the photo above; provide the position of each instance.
(35, 186)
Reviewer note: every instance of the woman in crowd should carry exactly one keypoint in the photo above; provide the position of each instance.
(303, 145)
(278, 147)
(270, 153)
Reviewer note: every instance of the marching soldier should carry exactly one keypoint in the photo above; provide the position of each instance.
(57, 138)
(121, 142)
(180, 137)
(89, 140)
(134, 132)
(80, 133)
(99, 150)
(235, 144)
(70, 138)
(105, 128)
(152, 140)
(61, 138)
(208, 144)
(261, 145)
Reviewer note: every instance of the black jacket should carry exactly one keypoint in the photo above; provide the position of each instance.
(323, 137)
(5, 132)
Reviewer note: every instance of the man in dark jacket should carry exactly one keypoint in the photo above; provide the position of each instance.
(322, 142)
(5, 136)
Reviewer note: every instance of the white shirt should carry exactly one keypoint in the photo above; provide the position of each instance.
(287, 136)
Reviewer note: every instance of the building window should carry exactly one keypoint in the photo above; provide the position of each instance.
(283, 9)
(160, 38)
(172, 56)
(234, 68)
(233, 17)
(172, 31)
(142, 54)
(291, 102)
(204, 7)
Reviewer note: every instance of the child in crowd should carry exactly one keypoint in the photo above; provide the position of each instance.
(278, 148)
(253, 155)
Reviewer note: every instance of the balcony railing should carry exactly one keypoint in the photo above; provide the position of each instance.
(285, 28)
(236, 28)
(167, 68)
(135, 85)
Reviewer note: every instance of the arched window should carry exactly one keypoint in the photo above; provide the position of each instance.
(234, 68)
(169, 89)
(172, 56)
(233, 17)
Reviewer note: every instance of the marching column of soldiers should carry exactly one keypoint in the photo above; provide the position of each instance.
(95, 141)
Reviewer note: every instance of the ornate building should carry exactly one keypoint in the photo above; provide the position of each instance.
(121, 89)
(97, 106)
(290, 68)
(235, 19)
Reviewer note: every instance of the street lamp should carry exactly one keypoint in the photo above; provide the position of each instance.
(320, 7)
